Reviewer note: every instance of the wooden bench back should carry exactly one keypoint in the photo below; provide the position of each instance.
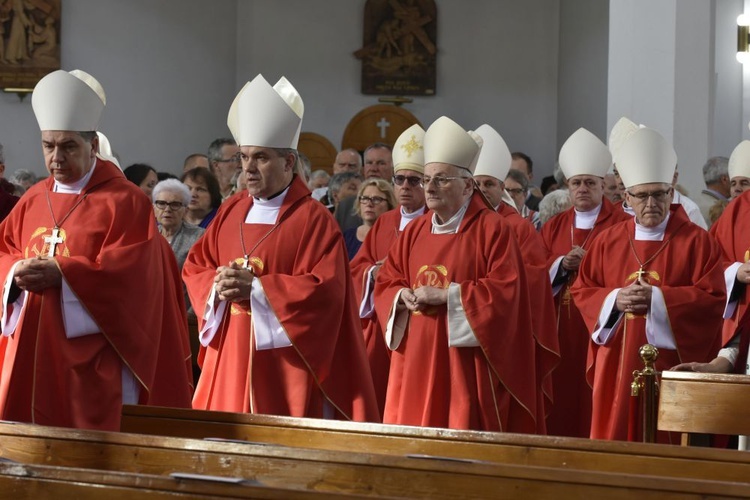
(704, 403)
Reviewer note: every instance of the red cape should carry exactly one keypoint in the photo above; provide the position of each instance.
(543, 317)
(125, 275)
(374, 249)
(491, 387)
(571, 413)
(304, 271)
(694, 295)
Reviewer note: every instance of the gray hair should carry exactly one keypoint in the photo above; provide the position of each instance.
(214, 150)
(21, 175)
(319, 174)
(520, 178)
(558, 174)
(714, 168)
(553, 203)
(173, 186)
(343, 177)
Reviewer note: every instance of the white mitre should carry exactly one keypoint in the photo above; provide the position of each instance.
(105, 150)
(620, 133)
(739, 161)
(265, 116)
(408, 151)
(494, 158)
(68, 101)
(584, 154)
(445, 141)
(645, 158)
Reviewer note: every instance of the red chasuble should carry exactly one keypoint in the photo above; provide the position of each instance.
(374, 249)
(543, 318)
(571, 413)
(732, 231)
(688, 271)
(492, 387)
(125, 275)
(302, 265)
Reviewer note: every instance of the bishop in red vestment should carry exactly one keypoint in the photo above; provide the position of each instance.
(93, 313)
(567, 237)
(271, 284)
(408, 159)
(657, 279)
(453, 302)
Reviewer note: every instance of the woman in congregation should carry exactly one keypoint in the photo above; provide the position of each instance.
(205, 196)
(143, 176)
(375, 198)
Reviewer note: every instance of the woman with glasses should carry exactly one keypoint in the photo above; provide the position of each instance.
(171, 199)
(375, 198)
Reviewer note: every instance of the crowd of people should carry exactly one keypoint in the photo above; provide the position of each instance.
(426, 283)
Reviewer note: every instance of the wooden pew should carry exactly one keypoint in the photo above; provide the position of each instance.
(339, 472)
(519, 449)
(704, 403)
(32, 482)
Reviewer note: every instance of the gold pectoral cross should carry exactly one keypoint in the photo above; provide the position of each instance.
(53, 240)
(639, 274)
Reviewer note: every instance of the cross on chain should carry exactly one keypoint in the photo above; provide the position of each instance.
(640, 274)
(53, 240)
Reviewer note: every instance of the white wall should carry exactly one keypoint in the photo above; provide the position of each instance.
(728, 126)
(584, 59)
(497, 64)
(167, 66)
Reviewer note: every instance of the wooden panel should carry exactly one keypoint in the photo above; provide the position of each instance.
(545, 451)
(320, 151)
(379, 123)
(704, 403)
(340, 472)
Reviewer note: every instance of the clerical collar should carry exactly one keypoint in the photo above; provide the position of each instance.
(77, 186)
(407, 218)
(451, 226)
(655, 233)
(586, 220)
(266, 211)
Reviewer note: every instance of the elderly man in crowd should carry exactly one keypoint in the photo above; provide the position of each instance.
(636, 287)
(81, 334)
(584, 160)
(408, 158)
(716, 177)
(224, 162)
(270, 283)
(452, 299)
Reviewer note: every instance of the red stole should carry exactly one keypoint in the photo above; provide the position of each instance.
(694, 295)
(304, 271)
(491, 387)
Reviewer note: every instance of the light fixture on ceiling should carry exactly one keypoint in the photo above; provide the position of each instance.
(743, 38)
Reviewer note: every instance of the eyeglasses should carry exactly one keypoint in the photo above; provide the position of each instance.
(375, 200)
(439, 180)
(413, 181)
(174, 205)
(658, 196)
(233, 159)
(515, 191)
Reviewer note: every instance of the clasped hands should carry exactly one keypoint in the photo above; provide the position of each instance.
(233, 283)
(419, 299)
(37, 274)
(635, 298)
(572, 261)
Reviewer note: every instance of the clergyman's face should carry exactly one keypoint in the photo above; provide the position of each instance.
(491, 188)
(738, 185)
(67, 155)
(650, 202)
(266, 173)
(586, 191)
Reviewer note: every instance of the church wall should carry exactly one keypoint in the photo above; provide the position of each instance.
(168, 68)
(497, 64)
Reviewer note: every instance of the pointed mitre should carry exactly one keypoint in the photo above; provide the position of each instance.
(105, 150)
(620, 133)
(494, 158)
(408, 151)
(446, 142)
(645, 158)
(68, 101)
(584, 154)
(739, 161)
(265, 116)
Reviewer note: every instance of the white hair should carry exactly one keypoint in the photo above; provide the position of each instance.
(173, 186)
(553, 203)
